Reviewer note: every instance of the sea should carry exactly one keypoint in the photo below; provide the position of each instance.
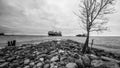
(103, 40)
(106, 41)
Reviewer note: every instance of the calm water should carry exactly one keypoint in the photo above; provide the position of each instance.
(107, 41)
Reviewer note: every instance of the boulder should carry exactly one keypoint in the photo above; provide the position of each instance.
(97, 63)
(4, 65)
(79, 63)
(111, 65)
(55, 58)
(109, 59)
(26, 61)
(93, 57)
(46, 66)
(71, 65)
(86, 60)
(39, 64)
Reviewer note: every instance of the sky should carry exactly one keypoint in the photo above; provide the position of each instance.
(40, 16)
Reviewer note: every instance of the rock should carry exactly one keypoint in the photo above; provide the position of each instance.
(39, 64)
(41, 59)
(93, 57)
(86, 60)
(4, 65)
(97, 63)
(109, 59)
(79, 63)
(54, 59)
(2, 60)
(76, 56)
(71, 65)
(32, 63)
(111, 65)
(61, 51)
(53, 65)
(27, 67)
(11, 59)
(46, 66)
(26, 61)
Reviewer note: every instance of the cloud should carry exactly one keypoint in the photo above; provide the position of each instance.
(40, 16)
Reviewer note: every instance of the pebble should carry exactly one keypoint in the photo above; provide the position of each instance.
(46, 66)
(42, 59)
(26, 61)
(3, 65)
(97, 63)
(55, 58)
(39, 64)
(32, 63)
(71, 65)
(63, 54)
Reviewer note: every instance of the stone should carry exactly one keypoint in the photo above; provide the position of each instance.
(111, 65)
(32, 63)
(79, 63)
(109, 59)
(97, 63)
(2, 60)
(10, 59)
(41, 59)
(54, 59)
(26, 61)
(76, 56)
(93, 57)
(71, 65)
(4, 65)
(39, 64)
(27, 66)
(53, 65)
(46, 66)
(86, 60)
(61, 51)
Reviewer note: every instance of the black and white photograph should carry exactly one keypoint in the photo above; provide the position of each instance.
(59, 33)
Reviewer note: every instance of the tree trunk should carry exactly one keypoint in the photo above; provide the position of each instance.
(85, 47)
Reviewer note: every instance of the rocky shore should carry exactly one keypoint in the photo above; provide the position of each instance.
(56, 54)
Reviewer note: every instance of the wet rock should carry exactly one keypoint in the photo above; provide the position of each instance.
(26, 61)
(54, 59)
(2, 60)
(4, 65)
(61, 51)
(71, 65)
(11, 59)
(41, 59)
(111, 65)
(76, 56)
(53, 65)
(32, 63)
(93, 57)
(46, 66)
(86, 60)
(97, 63)
(39, 64)
(109, 59)
(79, 63)
(27, 67)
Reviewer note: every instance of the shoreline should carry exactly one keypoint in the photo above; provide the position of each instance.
(56, 54)
(112, 48)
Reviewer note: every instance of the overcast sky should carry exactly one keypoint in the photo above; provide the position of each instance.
(41, 16)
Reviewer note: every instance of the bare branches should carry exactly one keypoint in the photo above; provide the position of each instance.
(95, 10)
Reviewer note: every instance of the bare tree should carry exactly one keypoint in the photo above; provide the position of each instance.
(93, 16)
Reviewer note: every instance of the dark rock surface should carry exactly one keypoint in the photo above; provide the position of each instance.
(56, 54)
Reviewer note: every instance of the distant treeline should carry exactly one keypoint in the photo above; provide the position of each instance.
(81, 35)
(54, 33)
(2, 34)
